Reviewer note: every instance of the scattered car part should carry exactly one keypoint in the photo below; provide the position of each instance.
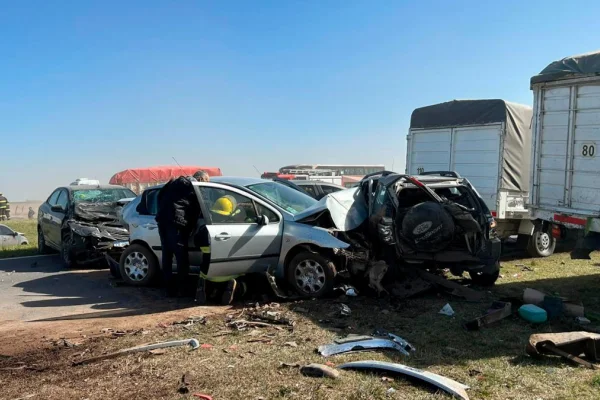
(345, 311)
(362, 343)
(446, 384)
(193, 343)
(202, 396)
(569, 345)
(499, 310)
(319, 371)
(533, 313)
(447, 310)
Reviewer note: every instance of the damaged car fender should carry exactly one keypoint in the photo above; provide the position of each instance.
(297, 234)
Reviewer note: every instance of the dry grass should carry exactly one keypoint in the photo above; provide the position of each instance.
(29, 228)
(236, 369)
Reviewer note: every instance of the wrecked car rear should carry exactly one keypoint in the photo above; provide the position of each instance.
(430, 222)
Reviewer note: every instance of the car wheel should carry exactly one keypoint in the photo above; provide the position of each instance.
(42, 247)
(138, 265)
(311, 274)
(66, 251)
(481, 279)
(541, 244)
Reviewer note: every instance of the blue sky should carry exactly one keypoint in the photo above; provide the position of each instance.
(90, 88)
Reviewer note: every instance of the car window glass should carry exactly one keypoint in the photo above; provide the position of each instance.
(5, 231)
(63, 199)
(54, 197)
(310, 189)
(329, 189)
(262, 210)
(152, 202)
(227, 207)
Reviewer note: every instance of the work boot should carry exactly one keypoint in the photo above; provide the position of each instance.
(229, 293)
(201, 292)
(581, 254)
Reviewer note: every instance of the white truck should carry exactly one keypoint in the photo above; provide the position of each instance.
(489, 143)
(566, 139)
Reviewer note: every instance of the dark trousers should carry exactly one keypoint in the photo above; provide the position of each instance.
(174, 242)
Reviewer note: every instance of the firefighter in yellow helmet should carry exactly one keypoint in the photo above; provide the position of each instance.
(224, 209)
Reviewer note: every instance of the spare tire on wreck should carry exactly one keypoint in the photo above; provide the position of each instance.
(427, 227)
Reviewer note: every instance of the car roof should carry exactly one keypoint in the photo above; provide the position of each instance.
(238, 180)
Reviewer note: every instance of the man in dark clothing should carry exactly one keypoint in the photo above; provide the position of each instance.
(177, 216)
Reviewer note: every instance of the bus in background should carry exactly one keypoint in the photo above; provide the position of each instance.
(346, 175)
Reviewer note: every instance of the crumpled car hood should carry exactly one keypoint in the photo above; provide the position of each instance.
(97, 211)
(347, 209)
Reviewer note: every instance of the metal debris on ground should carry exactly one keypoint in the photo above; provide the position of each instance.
(363, 343)
(569, 345)
(447, 310)
(455, 388)
(191, 321)
(498, 310)
(273, 317)
(193, 343)
(345, 311)
(243, 324)
(319, 371)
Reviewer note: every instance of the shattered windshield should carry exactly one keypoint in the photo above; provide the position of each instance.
(285, 197)
(101, 195)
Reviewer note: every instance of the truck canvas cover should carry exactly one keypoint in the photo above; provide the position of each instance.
(582, 65)
(516, 152)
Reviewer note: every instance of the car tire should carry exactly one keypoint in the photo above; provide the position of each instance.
(541, 243)
(310, 274)
(138, 265)
(66, 252)
(482, 279)
(42, 247)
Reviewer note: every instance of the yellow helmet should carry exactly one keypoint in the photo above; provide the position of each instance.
(224, 205)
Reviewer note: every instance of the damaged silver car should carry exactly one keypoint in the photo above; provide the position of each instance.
(82, 223)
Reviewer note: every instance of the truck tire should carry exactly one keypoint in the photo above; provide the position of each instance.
(541, 243)
(138, 265)
(311, 274)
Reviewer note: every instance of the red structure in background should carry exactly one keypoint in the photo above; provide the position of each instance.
(138, 179)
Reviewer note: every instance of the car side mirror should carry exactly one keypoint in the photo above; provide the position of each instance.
(57, 208)
(263, 220)
(14, 234)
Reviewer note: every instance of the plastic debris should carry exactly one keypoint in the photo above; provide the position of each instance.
(533, 313)
(447, 310)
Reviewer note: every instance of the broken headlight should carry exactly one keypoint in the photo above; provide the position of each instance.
(120, 243)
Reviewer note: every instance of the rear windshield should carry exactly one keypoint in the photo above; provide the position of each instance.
(101, 195)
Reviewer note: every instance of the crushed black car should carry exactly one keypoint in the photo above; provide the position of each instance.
(432, 221)
(436, 220)
(82, 223)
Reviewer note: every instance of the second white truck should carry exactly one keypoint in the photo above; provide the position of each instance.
(489, 143)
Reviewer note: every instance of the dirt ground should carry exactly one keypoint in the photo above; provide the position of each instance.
(234, 364)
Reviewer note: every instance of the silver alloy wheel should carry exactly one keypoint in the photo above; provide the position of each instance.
(543, 241)
(310, 276)
(136, 266)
